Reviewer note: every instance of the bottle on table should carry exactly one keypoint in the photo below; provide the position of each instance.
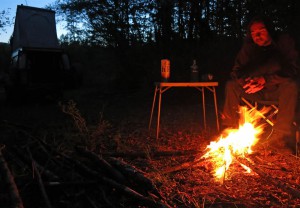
(194, 72)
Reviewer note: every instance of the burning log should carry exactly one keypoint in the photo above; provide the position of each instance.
(16, 201)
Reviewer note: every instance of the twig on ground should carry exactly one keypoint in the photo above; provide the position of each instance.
(16, 201)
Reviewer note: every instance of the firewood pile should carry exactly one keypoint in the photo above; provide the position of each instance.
(37, 175)
(172, 173)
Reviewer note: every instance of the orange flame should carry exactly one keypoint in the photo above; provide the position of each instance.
(238, 142)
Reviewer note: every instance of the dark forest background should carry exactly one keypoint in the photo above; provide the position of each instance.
(119, 43)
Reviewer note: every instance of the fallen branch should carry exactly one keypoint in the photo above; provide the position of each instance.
(104, 197)
(135, 175)
(40, 181)
(268, 165)
(91, 202)
(72, 183)
(275, 181)
(16, 201)
(151, 154)
(27, 161)
(103, 164)
(113, 184)
(183, 166)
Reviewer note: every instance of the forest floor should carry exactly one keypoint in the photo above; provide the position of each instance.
(41, 142)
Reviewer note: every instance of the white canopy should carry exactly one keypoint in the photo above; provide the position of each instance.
(34, 27)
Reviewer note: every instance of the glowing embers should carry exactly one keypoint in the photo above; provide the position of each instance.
(235, 143)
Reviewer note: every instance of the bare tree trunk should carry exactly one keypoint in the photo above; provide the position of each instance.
(191, 23)
(180, 20)
(166, 26)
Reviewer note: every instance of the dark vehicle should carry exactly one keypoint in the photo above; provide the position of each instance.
(39, 66)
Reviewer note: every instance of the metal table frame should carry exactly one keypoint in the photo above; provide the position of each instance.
(162, 87)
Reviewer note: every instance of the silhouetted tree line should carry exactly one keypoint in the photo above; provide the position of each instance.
(123, 23)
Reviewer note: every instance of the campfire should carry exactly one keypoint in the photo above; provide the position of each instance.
(235, 143)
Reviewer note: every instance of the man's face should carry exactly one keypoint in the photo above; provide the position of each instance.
(260, 34)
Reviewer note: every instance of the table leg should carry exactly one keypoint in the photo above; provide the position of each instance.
(153, 104)
(204, 110)
(297, 142)
(216, 108)
(158, 112)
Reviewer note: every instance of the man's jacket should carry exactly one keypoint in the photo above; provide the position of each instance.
(277, 62)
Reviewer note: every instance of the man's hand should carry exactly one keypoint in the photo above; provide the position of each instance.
(254, 85)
